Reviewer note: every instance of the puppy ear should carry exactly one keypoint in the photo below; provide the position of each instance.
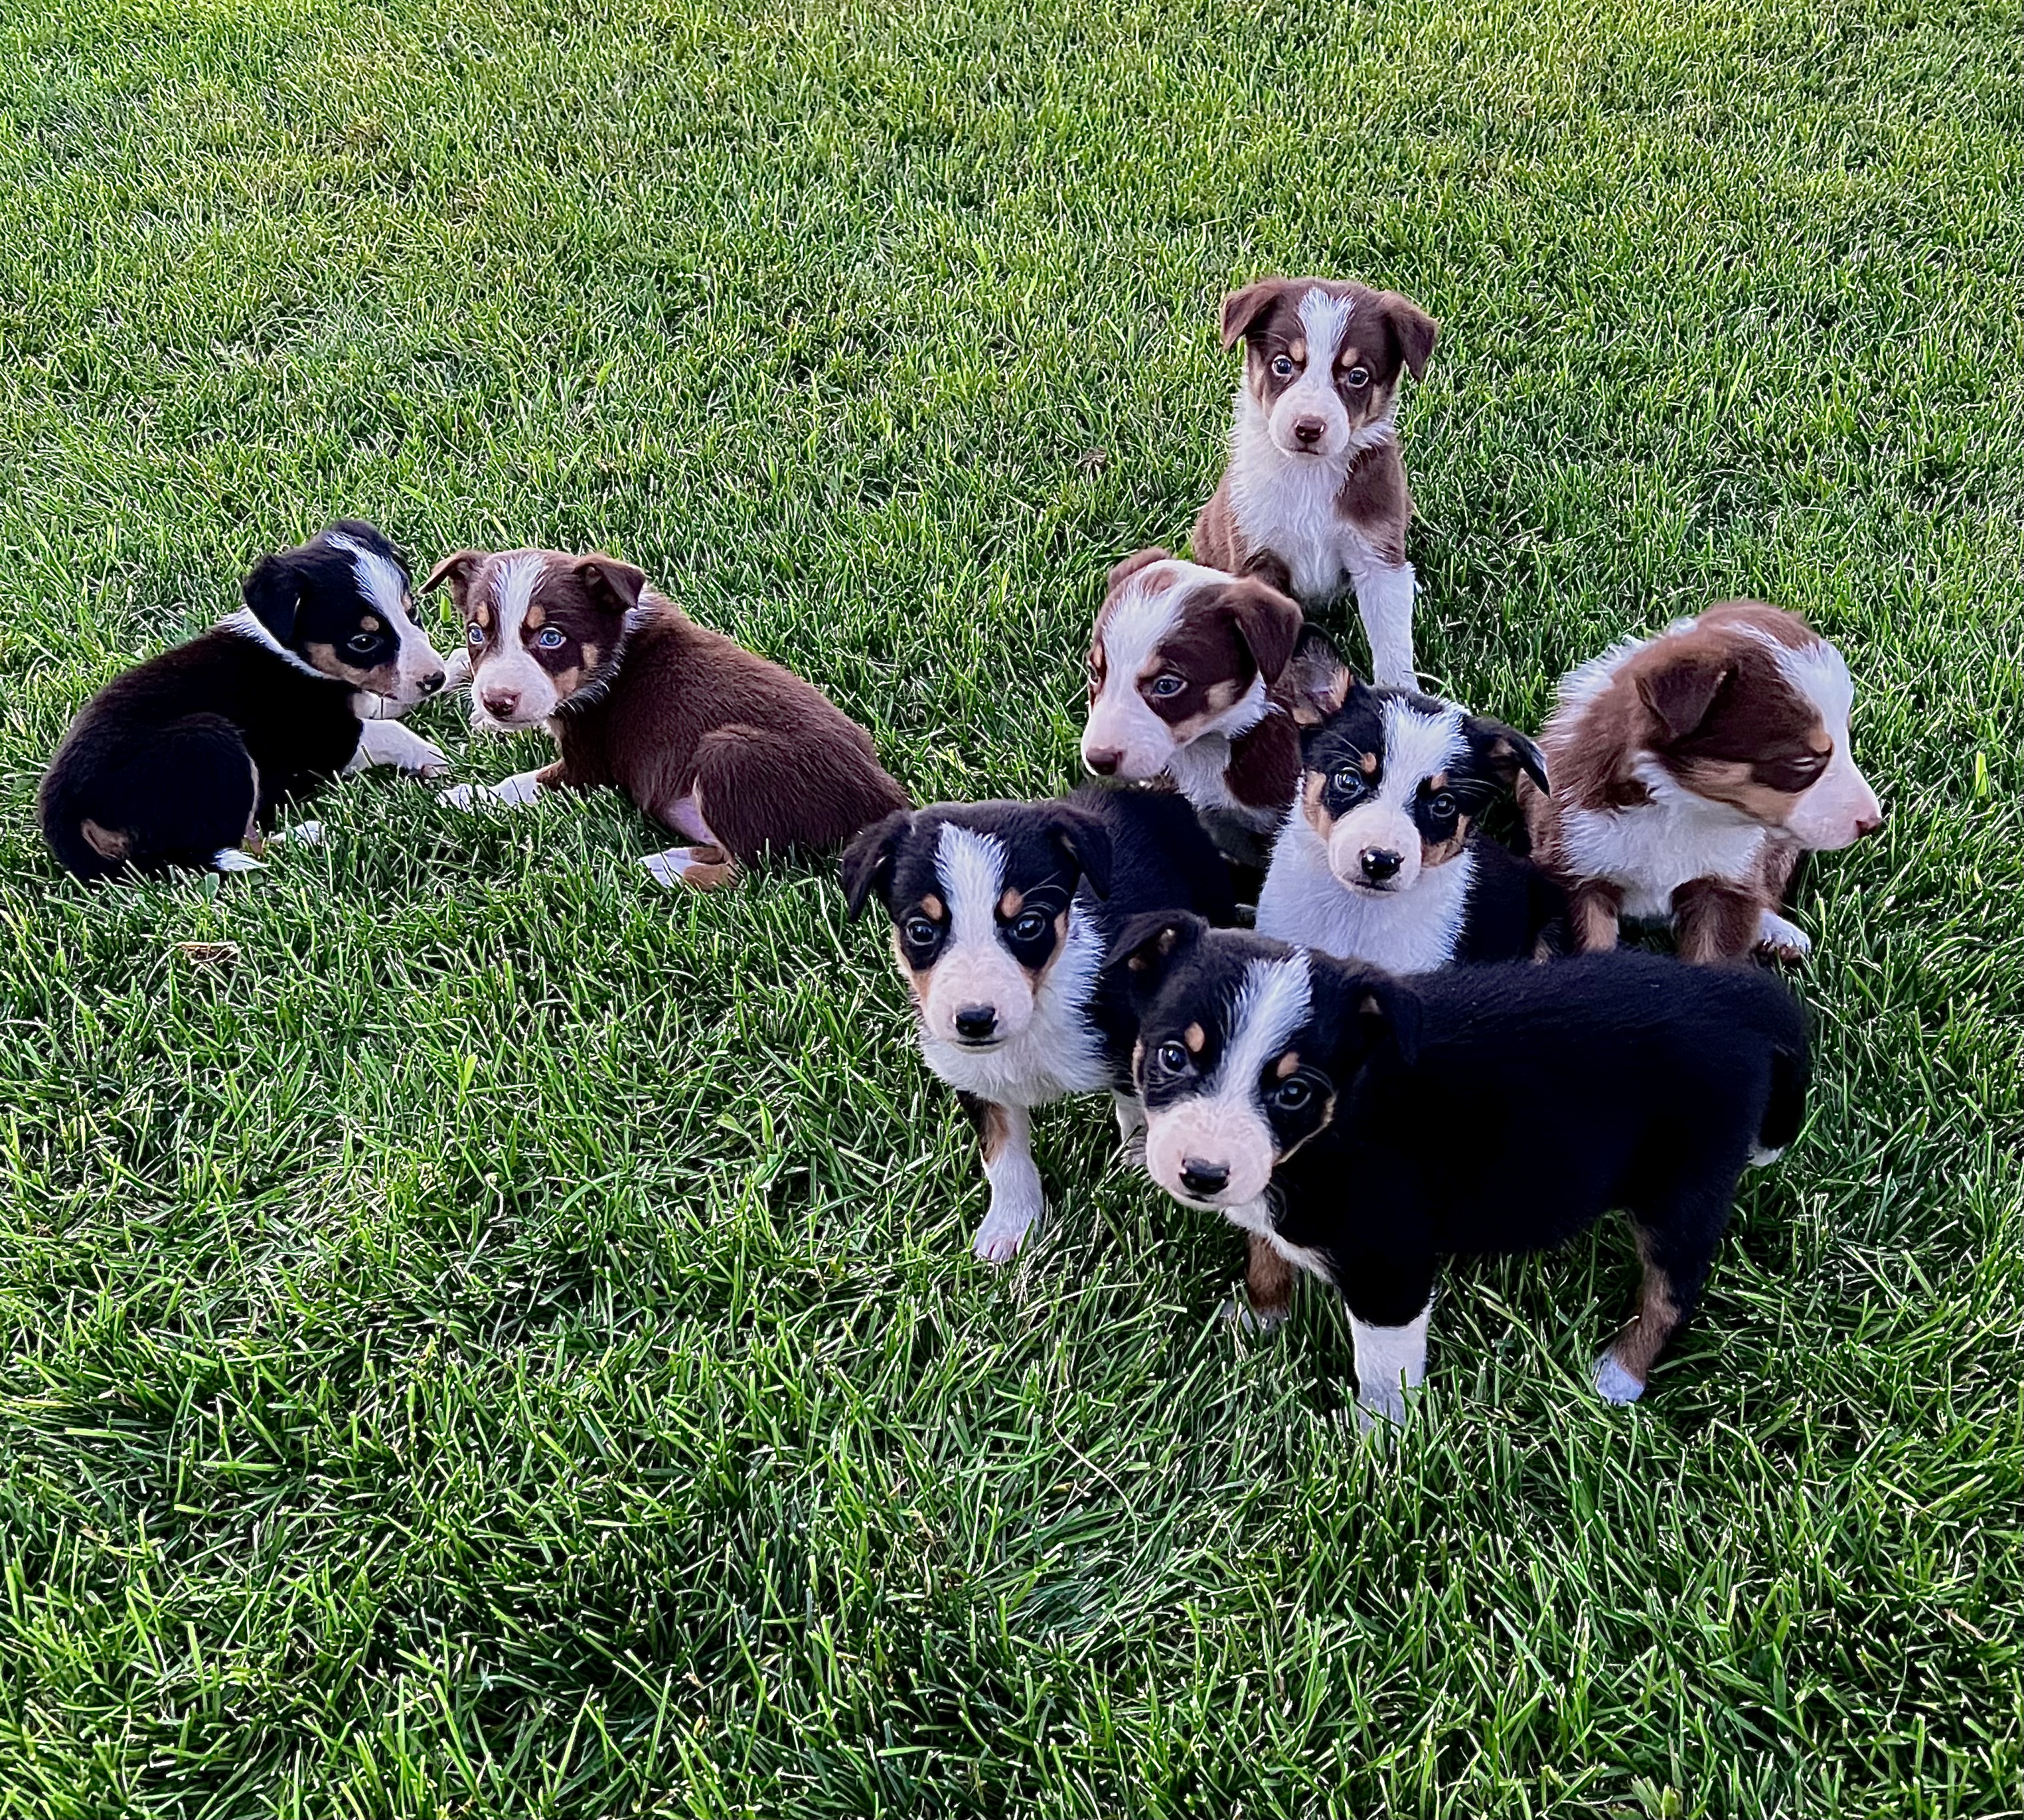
(1509, 752)
(1680, 691)
(1316, 679)
(1415, 329)
(457, 570)
(1388, 1011)
(1240, 309)
(1121, 572)
(1269, 623)
(1148, 945)
(1083, 838)
(618, 581)
(272, 591)
(867, 862)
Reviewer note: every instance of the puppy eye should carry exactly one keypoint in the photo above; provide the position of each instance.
(1029, 925)
(1172, 1058)
(550, 640)
(362, 641)
(474, 634)
(917, 932)
(1349, 781)
(1441, 805)
(1165, 688)
(1283, 367)
(1358, 377)
(1290, 1095)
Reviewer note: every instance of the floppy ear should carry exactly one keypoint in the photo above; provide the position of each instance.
(1082, 837)
(619, 583)
(1121, 572)
(1316, 680)
(1510, 751)
(1268, 623)
(272, 592)
(1416, 331)
(1388, 1010)
(1240, 309)
(1148, 945)
(1681, 691)
(867, 862)
(457, 570)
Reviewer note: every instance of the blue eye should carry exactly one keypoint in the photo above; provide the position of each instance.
(550, 640)
(474, 634)
(1165, 688)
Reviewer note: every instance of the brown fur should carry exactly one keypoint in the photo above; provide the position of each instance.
(1268, 1282)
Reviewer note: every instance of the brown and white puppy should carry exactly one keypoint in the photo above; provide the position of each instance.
(1690, 770)
(1314, 498)
(736, 753)
(1183, 671)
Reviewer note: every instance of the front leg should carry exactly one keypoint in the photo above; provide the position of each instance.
(1384, 600)
(1130, 1126)
(1390, 1362)
(1718, 920)
(513, 793)
(1593, 910)
(1004, 1134)
(389, 742)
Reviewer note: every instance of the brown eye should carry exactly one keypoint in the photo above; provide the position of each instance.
(1358, 377)
(1283, 367)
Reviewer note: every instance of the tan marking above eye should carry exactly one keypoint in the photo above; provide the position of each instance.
(1367, 763)
(368, 624)
(590, 655)
(482, 614)
(537, 616)
(931, 907)
(1438, 781)
(1008, 905)
(1288, 1063)
(1297, 350)
(1196, 1037)
(1348, 358)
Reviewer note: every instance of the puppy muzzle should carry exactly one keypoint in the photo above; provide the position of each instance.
(1210, 1152)
(1131, 744)
(1375, 852)
(977, 1001)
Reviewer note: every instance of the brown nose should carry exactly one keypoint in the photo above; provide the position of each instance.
(1105, 761)
(1868, 824)
(1307, 431)
(503, 702)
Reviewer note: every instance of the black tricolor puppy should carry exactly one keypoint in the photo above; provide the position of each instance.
(1380, 858)
(1357, 1125)
(187, 756)
(1002, 915)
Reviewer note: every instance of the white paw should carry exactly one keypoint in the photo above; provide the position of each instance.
(1238, 1313)
(236, 860)
(303, 834)
(1379, 1414)
(466, 796)
(998, 1239)
(1760, 1158)
(1615, 1385)
(1785, 941)
(519, 790)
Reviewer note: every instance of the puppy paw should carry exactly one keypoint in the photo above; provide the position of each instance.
(1782, 940)
(1380, 1415)
(1615, 1385)
(998, 1239)
(700, 868)
(466, 796)
(301, 834)
(236, 860)
(1258, 1323)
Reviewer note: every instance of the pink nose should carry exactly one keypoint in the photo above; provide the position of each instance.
(502, 702)
(1307, 431)
(1868, 824)
(1104, 761)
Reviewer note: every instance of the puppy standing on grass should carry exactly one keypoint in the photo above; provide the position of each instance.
(1002, 914)
(1315, 499)
(1363, 1124)
(738, 754)
(190, 757)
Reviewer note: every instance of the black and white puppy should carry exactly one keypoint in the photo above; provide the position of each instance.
(1357, 1125)
(1380, 858)
(1002, 915)
(187, 757)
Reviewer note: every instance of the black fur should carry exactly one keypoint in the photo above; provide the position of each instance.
(187, 753)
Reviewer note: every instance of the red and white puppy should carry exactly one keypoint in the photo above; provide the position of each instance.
(1314, 498)
(1690, 770)
(1183, 667)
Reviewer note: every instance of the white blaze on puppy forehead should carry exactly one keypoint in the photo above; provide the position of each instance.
(1417, 746)
(1326, 320)
(1273, 1002)
(970, 867)
(513, 585)
(379, 580)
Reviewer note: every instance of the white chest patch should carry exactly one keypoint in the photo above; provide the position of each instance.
(1286, 503)
(1648, 852)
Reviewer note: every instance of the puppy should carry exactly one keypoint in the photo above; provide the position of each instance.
(187, 758)
(735, 753)
(1379, 859)
(1358, 1125)
(1690, 770)
(1315, 498)
(1002, 914)
(1183, 670)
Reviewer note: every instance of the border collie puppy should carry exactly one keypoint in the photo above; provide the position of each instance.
(186, 759)
(737, 755)
(1379, 859)
(1690, 770)
(1314, 498)
(1184, 667)
(1360, 1125)
(1001, 914)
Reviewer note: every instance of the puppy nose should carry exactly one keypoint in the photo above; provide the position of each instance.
(501, 701)
(1380, 864)
(1104, 761)
(1307, 431)
(1868, 824)
(432, 681)
(1199, 1178)
(973, 1022)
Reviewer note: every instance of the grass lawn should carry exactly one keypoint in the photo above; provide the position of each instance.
(509, 1345)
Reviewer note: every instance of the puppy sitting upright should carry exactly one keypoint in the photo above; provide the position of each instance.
(736, 753)
(187, 757)
(1379, 859)
(1689, 772)
(1184, 667)
(1314, 498)
(1361, 1126)
(1002, 914)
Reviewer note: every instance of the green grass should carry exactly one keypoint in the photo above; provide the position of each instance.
(509, 1346)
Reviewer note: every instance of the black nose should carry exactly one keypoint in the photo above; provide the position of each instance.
(1308, 429)
(1203, 1178)
(1378, 864)
(429, 685)
(973, 1022)
(1103, 762)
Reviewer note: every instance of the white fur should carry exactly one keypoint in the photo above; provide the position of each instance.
(504, 663)
(247, 626)
(1256, 1215)
(381, 581)
(1783, 937)
(1614, 1384)
(1650, 851)
(389, 742)
(672, 866)
(1840, 806)
(1390, 1362)
(236, 860)
(513, 793)
(1016, 1199)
